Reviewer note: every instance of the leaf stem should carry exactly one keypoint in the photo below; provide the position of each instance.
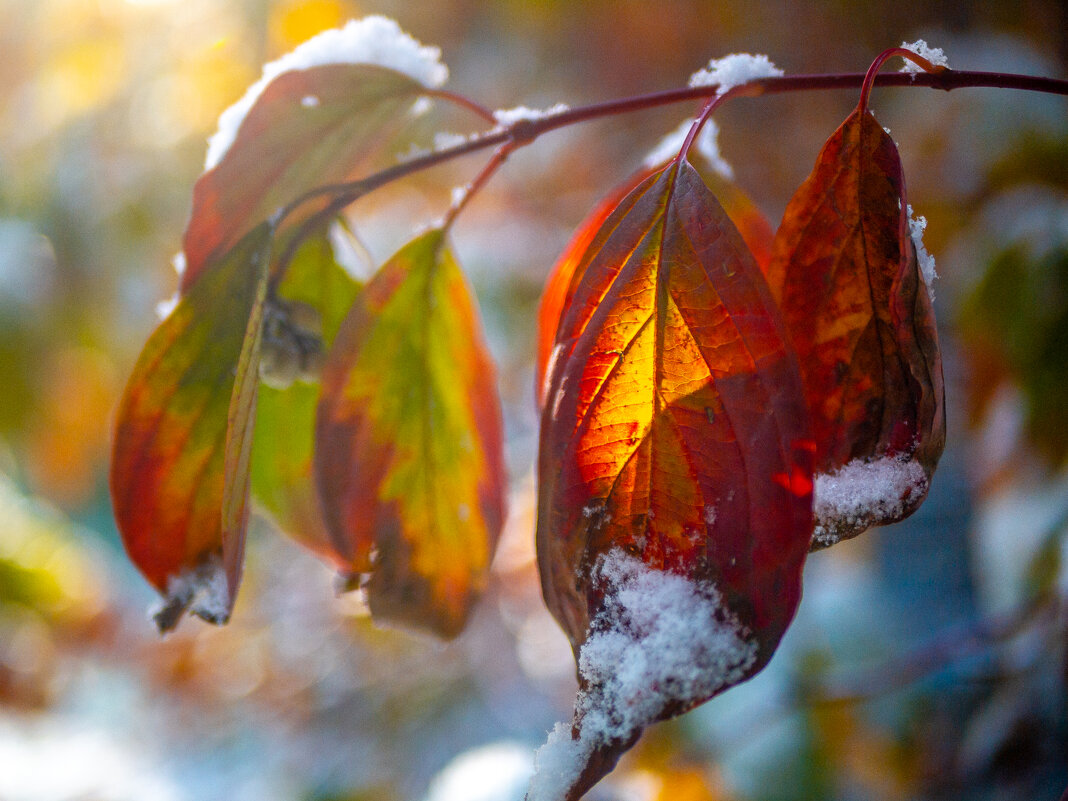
(523, 132)
(882, 58)
(499, 157)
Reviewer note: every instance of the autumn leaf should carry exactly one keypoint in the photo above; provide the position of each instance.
(844, 273)
(408, 457)
(742, 211)
(314, 286)
(307, 126)
(675, 473)
(183, 434)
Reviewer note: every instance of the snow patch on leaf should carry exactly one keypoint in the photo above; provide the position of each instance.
(933, 54)
(863, 490)
(925, 260)
(734, 70)
(372, 40)
(509, 116)
(203, 590)
(659, 639)
(706, 145)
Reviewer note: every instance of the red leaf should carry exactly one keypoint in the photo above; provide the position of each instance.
(180, 465)
(674, 455)
(844, 273)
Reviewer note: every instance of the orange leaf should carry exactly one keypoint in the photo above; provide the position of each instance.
(408, 457)
(845, 276)
(183, 435)
(751, 223)
(675, 472)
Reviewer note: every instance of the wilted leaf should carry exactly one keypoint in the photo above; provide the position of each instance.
(408, 442)
(844, 273)
(287, 145)
(675, 473)
(751, 223)
(179, 470)
(285, 416)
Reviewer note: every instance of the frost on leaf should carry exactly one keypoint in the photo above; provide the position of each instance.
(847, 276)
(373, 40)
(671, 392)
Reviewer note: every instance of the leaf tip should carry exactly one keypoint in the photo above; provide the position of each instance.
(203, 591)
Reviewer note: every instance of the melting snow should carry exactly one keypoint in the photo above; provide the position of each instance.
(706, 144)
(372, 40)
(203, 590)
(734, 70)
(659, 638)
(864, 490)
(933, 54)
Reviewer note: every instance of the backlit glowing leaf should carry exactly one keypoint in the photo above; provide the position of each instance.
(308, 128)
(314, 285)
(183, 434)
(751, 223)
(408, 455)
(675, 473)
(844, 272)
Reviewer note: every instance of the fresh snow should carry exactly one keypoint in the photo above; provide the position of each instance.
(659, 638)
(372, 40)
(204, 590)
(863, 489)
(706, 144)
(508, 116)
(734, 70)
(920, 48)
(926, 261)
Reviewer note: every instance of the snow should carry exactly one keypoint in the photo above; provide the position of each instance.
(167, 305)
(864, 491)
(373, 40)
(509, 116)
(203, 590)
(925, 260)
(932, 54)
(309, 101)
(734, 70)
(706, 145)
(659, 638)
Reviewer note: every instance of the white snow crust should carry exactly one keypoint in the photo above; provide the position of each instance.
(917, 225)
(203, 590)
(933, 54)
(372, 40)
(659, 638)
(863, 489)
(508, 116)
(706, 145)
(734, 70)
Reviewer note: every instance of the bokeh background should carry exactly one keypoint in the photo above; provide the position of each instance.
(928, 659)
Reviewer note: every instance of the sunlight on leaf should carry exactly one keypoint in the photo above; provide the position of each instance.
(674, 431)
(409, 459)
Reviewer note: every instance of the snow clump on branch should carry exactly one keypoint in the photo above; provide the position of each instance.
(933, 54)
(734, 70)
(374, 40)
